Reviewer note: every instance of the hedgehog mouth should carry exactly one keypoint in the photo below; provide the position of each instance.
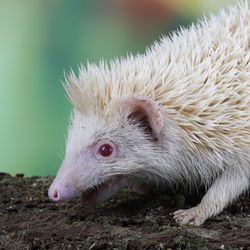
(102, 191)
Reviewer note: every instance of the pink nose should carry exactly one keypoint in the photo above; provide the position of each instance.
(59, 192)
(54, 194)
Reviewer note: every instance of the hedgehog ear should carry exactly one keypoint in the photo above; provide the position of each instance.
(144, 112)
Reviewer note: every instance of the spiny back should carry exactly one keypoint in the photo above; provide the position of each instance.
(200, 77)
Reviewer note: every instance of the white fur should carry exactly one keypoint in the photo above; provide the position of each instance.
(200, 76)
(199, 82)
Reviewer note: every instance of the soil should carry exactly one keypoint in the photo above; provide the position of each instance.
(29, 220)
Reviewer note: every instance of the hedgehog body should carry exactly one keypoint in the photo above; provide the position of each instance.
(179, 114)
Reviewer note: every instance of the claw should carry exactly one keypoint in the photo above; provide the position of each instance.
(192, 216)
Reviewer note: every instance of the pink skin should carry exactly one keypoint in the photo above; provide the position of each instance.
(63, 187)
(66, 184)
(62, 190)
(58, 192)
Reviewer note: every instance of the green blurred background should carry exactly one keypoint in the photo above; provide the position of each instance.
(42, 39)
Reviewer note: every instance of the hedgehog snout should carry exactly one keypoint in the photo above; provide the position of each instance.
(60, 192)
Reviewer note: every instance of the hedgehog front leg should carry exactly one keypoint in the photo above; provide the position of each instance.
(224, 190)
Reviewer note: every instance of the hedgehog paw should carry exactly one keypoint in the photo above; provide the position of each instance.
(192, 216)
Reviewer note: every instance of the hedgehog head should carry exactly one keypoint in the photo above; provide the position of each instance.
(108, 147)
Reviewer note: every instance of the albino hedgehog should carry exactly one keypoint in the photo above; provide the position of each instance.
(177, 115)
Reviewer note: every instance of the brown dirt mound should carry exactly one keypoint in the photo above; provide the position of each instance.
(28, 220)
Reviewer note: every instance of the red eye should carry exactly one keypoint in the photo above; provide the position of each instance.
(105, 150)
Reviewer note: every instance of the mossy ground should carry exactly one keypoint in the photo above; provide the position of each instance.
(28, 220)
